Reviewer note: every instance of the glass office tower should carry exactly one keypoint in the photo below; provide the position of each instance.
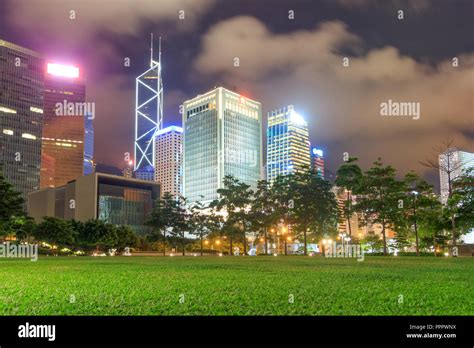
(287, 143)
(222, 136)
(21, 116)
(88, 167)
(68, 134)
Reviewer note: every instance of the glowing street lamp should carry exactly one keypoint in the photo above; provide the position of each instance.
(283, 231)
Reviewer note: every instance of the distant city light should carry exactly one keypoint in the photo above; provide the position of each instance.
(317, 152)
(63, 70)
(297, 118)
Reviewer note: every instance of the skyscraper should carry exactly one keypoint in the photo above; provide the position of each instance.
(455, 161)
(317, 161)
(68, 136)
(21, 116)
(148, 116)
(222, 136)
(169, 160)
(287, 143)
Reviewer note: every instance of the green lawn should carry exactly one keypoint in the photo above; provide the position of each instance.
(237, 286)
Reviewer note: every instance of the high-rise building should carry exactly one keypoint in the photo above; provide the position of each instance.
(457, 163)
(169, 160)
(317, 161)
(145, 173)
(21, 116)
(68, 135)
(287, 143)
(148, 116)
(222, 136)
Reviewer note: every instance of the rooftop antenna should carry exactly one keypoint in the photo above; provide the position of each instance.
(151, 51)
(159, 49)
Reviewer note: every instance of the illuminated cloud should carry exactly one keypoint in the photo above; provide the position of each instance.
(342, 104)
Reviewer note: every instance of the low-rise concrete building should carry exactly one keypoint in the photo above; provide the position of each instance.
(114, 199)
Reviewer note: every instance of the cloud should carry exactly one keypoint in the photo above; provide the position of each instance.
(342, 104)
(412, 5)
(92, 40)
(91, 16)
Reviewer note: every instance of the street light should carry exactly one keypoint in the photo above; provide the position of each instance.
(415, 194)
(283, 231)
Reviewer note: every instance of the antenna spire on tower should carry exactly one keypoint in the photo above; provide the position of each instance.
(151, 51)
(159, 54)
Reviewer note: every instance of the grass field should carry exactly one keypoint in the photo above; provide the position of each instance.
(237, 286)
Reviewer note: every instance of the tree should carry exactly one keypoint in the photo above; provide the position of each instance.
(126, 237)
(174, 218)
(348, 178)
(448, 166)
(160, 218)
(263, 211)
(373, 242)
(462, 200)
(98, 234)
(282, 196)
(55, 231)
(315, 206)
(418, 196)
(432, 226)
(234, 199)
(11, 203)
(380, 197)
(23, 227)
(200, 221)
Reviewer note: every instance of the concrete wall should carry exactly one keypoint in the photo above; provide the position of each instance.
(86, 198)
(41, 203)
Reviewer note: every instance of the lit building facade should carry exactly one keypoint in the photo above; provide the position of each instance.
(457, 162)
(21, 116)
(287, 143)
(113, 199)
(169, 160)
(145, 173)
(68, 134)
(222, 136)
(317, 161)
(148, 117)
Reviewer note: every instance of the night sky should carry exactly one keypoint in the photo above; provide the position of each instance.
(282, 62)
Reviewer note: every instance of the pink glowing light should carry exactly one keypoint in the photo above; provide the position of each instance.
(63, 70)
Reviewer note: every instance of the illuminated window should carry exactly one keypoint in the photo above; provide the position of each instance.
(38, 110)
(28, 136)
(7, 110)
